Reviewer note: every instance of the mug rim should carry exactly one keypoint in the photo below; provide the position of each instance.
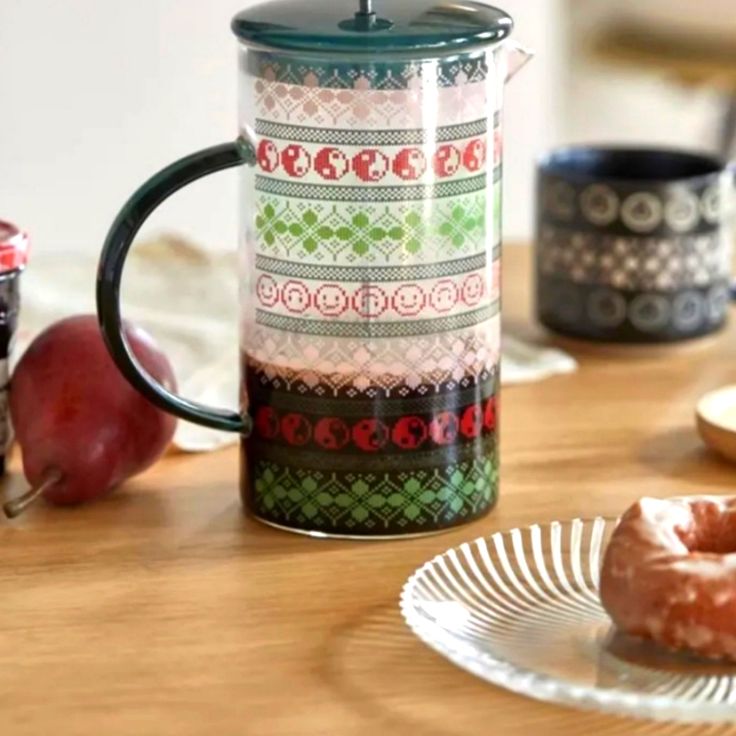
(550, 163)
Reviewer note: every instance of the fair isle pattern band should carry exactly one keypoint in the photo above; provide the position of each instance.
(390, 429)
(363, 234)
(412, 192)
(363, 299)
(371, 503)
(374, 368)
(260, 381)
(378, 137)
(647, 209)
(260, 388)
(359, 407)
(368, 462)
(378, 75)
(367, 108)
(373, 329)
(631, 315)
(373, 274)
(390, 164)
(634, 262)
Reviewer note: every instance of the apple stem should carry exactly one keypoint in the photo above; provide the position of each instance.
(18, 505)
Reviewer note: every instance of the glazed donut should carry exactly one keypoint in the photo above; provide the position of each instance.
(669, 574)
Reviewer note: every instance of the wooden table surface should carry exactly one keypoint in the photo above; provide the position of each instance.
(163, 610)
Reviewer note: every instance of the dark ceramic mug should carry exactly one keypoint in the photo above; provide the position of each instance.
(633, 245)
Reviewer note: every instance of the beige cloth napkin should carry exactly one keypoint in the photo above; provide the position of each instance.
(187, 297)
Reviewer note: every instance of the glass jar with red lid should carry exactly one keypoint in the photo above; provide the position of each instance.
(14, 246)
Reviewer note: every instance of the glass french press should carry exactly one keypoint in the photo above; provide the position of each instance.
(370, 143)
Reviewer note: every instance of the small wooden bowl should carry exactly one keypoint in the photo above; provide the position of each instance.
(716, 420)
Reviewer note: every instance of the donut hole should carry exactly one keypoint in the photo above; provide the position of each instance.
(713, 530)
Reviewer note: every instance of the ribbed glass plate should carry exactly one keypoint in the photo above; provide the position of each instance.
(521, 609)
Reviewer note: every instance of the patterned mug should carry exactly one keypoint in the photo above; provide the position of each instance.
(370, 264)
(633, 245)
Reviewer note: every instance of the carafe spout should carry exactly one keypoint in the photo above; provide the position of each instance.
(514, 57)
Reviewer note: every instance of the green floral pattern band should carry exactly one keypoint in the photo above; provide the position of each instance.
(367, 233)
(373, 504)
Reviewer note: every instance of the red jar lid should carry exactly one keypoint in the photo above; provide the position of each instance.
(14, 247)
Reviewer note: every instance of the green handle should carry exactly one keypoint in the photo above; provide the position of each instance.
(116, 248)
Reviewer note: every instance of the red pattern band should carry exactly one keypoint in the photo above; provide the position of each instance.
(372, 434)
(371, 301)
(371, 165)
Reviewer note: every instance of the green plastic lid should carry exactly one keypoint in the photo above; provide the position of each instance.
(372, 26)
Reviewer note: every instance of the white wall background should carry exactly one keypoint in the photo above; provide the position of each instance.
(96, 95)
(611, 103)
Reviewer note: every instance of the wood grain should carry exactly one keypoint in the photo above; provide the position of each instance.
(163, 610)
